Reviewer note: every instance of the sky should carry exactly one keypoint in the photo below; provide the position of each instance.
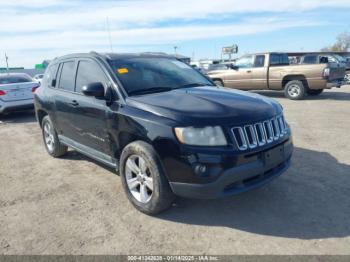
(34, 30)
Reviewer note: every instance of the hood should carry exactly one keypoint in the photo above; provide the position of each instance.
(207, 105)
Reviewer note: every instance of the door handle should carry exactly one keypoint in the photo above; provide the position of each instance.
(249, 71)
(74, 103)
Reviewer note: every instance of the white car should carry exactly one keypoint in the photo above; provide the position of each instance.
(38, 77)
(16, 92)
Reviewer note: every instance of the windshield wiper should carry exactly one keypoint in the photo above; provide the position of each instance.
(156, 89)
(193, 85)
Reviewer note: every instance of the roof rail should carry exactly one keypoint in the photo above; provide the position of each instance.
(95, 53)
(155, 53)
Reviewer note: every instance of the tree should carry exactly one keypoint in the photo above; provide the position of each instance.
(342, 43)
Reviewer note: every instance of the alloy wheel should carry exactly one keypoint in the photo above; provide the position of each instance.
(139, 178)
(49, 136)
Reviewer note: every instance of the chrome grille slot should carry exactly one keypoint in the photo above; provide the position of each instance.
(251, 136)
(275, 127)
(240, 138)
(268, 131)
(282, 125)
(259, 134)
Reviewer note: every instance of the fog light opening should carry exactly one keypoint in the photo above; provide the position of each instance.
(200, 169)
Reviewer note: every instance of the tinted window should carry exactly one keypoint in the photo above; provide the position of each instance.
(67, 76)
(217, 67)
(49, 75)
(259, 61)
(332, 59)
(310, 59)
(279, 59)
(244, 62)
(155, 74)
(88, 72)
(11, 79)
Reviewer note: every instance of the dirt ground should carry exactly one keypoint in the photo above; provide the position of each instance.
(75, 206)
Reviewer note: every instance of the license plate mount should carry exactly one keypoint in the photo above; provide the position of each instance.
(274, 156)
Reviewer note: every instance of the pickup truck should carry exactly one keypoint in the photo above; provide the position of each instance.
(272, 71)
(319, 58)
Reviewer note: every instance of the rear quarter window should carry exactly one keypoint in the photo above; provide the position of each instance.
(67, 78)
(279, 59)
(50, 74)
(310, 59)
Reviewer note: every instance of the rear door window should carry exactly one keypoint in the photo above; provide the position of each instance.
(67, 76)
(88, 72)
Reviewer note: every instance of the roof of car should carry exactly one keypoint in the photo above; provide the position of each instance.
(13, 74)
(114, 56)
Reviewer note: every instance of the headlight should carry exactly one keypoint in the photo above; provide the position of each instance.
(206, 136)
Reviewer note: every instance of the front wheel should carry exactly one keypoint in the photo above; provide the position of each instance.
(294, 90)
(144, 180)
(314, 92)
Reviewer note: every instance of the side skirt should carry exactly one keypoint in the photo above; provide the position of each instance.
(90, 152)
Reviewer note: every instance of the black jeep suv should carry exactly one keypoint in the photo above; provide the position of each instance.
(166, 127)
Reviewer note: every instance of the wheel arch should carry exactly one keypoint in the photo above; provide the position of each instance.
(40, 115)
(218, 79)
(299, 77)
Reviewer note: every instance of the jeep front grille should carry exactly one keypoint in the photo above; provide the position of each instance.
(259, 134)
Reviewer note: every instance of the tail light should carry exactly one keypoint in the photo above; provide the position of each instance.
(2, 93)
(326, 73)
(34, 88)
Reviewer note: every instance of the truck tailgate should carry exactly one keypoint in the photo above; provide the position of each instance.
(336, 71)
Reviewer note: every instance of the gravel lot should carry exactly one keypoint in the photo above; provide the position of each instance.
(76, 206)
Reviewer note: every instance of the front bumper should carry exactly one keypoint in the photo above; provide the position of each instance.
(12, 106)
(269, 165)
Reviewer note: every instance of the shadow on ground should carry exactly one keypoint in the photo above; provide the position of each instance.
(18, 117)
(310, 201)
(327, 95)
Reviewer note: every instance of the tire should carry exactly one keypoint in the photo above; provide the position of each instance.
(54, 147)
(152, 201)
(314, 92)
(218, 82)
(295, 90)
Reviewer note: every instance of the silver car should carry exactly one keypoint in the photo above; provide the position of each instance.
(16, 92)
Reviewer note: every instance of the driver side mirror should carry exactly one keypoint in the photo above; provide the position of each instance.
(234, 67)
(94, 89)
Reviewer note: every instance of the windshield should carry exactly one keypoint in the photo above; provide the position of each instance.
(340, 58)
(148, 75)
(12, 79)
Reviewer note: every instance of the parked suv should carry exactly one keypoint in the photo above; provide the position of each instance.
(166, 127)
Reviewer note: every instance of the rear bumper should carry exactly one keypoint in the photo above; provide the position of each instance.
(11, 106)
(336, 83)
(241, 178)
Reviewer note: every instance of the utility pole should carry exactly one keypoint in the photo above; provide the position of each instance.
(7, 63)
(109, 34)
(175, 48)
